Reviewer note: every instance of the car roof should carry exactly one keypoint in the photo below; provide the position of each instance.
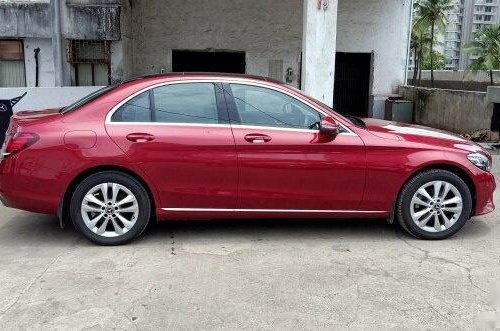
(200, 75)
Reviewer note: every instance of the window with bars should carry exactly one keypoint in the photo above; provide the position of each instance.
(12, 71)
(91, 62)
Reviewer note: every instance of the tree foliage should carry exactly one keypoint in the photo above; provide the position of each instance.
(431, 14)
(439, 62)
(486, 46)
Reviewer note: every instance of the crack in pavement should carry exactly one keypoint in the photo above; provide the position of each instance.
(416, 290)
(427, 255)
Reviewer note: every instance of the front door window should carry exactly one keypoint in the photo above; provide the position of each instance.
(259, 106)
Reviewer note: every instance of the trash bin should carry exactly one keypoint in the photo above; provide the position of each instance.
(399, 110)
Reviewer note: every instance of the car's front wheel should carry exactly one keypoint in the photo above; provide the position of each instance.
(110, 208)
(435, 204)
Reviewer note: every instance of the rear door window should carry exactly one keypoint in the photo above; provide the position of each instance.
(177, 103)
(185, 103)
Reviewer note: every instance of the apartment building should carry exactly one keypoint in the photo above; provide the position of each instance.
(463, 21)
(450, 43)
(481, 13)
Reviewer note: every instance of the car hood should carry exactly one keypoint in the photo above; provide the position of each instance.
(418, 134)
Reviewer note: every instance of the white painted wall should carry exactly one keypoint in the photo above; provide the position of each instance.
(319, 43)
(380, 27)
(265, 30)
(46, 97)
(268, 30)
(46, 69)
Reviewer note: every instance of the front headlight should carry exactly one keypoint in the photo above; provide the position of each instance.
(480, 160)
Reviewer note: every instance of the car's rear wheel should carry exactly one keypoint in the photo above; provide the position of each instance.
(110, 208)
(435, 204)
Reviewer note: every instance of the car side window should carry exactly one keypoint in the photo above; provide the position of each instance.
(185, 103)
(261, 106)
(137, 109)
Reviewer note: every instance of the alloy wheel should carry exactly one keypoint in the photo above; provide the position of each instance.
(110, 210)
(436, 206)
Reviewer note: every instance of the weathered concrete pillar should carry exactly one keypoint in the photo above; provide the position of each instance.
(318, 49)
(57, 44)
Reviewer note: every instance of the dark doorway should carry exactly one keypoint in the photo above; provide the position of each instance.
(352, 83)
(200, 61)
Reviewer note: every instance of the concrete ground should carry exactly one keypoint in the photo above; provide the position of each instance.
(250, 274)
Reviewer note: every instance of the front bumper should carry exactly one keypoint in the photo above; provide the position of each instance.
(485, 188)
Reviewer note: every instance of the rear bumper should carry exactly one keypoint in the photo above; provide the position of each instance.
(21, 191)
(485, 188)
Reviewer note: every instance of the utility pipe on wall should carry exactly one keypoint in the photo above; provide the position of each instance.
(37, 65)
(57, 43)
(408, 49)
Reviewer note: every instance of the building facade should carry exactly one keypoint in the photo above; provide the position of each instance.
(464, 20)
(358, 46)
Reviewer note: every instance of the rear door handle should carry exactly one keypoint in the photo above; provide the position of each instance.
(140, 137)
(257, 138)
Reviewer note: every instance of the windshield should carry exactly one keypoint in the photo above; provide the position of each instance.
(87, 99)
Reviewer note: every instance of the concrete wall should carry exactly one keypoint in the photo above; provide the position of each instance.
(45, 98)
(46, 71)
(25, 19)
(457, 111)
(460, 75)
(33, 21)
(380, 27)
(265, 30)
(268, 30)
(457, 80)
(91, 19)
(319, 50)
(143, 33)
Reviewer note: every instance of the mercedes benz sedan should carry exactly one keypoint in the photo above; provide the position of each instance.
(212, 146)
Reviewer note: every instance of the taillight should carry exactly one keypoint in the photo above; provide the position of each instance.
(20, 141)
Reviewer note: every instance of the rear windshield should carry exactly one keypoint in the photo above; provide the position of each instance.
(87, 99)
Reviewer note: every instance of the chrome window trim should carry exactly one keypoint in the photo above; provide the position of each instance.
(272, 210)
(234, 126)
(108, 121)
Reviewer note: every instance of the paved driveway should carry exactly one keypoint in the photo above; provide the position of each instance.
(251, 274)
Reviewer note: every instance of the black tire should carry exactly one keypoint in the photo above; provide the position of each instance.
(403, 206)
(128, 182)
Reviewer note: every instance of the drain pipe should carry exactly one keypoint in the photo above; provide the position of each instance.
(408, 48)
(57, 43)
(37, 65)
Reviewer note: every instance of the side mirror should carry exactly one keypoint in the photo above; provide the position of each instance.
(329, 127)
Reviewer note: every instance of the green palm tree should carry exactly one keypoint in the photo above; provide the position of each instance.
(420, 39)
(486, 45)
(432, 13)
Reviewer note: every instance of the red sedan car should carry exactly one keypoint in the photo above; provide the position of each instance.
(204, 146)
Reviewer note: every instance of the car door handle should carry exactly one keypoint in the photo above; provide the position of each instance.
(140, 137)
(257, 138)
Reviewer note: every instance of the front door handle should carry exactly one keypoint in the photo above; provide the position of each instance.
(140, 137)
(257, 138)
